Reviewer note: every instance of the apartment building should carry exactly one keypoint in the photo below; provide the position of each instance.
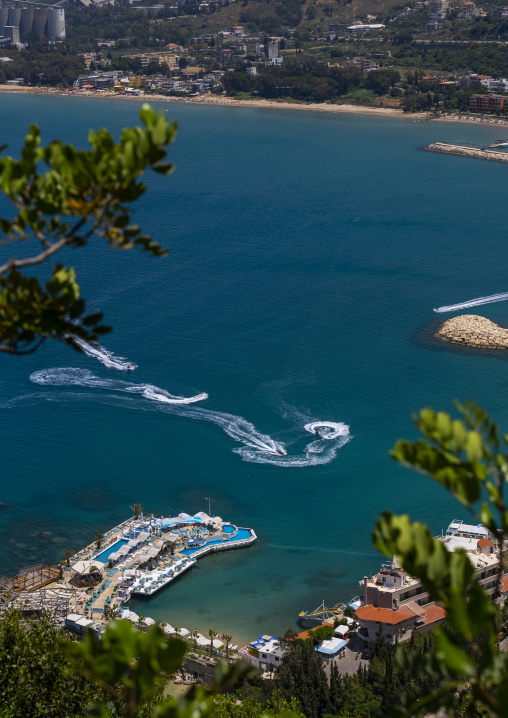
(400, 604)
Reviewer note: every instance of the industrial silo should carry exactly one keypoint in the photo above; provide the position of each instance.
(56, 22)
(27, 20)
(40, 20)
(14, 16)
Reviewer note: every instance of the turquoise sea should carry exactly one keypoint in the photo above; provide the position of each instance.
(307, 253)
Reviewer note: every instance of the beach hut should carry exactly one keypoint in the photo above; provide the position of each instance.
(131, 616)
(331, 648)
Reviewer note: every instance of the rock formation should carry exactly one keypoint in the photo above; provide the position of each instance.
(474, 331)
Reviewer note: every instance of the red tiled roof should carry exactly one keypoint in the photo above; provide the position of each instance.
(384, 615)
(505, 584)
(485, 542)
(433, 613)
(306, 634)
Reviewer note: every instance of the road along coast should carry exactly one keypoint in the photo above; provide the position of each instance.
(465, 151)
(473, 331)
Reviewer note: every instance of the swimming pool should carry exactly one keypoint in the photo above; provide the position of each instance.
(242, 534)
(228, 529)
(104, 556)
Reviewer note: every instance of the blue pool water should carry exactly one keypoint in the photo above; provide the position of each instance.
(311, 302)
(228, 529)
(104, 556)
(242, 534)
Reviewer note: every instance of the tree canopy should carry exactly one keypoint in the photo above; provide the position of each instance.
(64, 197)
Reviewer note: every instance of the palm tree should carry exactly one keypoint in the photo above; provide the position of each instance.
(227, 638)
(171, 546)
(68, 555)
(136, 510)
(98, 539)
(194, 635)
(177, 628)
(211, 633)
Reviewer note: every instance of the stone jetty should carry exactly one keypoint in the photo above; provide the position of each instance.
(464, 151)
(473, 331)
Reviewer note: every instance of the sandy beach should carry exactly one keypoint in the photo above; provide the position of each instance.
(265, 104)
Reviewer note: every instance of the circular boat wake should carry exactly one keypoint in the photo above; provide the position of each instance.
(256, 447)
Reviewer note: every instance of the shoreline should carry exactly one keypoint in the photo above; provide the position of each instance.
(266, 104)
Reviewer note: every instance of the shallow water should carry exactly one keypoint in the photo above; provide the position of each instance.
(307, 254)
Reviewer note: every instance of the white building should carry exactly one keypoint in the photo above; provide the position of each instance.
(270, 655)
(330, 649)
(356, 30)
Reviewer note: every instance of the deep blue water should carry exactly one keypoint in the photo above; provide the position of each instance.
(307, 253)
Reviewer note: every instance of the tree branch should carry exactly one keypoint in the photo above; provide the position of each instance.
(30, 261)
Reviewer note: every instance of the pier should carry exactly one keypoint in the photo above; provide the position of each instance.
(466, 151)
(139, 557)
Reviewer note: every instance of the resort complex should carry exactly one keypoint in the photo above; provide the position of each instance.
(139, 556)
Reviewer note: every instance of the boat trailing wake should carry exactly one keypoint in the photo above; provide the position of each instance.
(83, 377)
(256, 447)
(96, 351)
(474, 303)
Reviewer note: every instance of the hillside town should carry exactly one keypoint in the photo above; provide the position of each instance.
(423, 58)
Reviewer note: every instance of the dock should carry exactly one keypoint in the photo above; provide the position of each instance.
(467, 151)
(140, 556)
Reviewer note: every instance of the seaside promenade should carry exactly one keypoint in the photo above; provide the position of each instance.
(208, 99)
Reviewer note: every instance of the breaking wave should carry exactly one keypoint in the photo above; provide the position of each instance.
(256, 447)
(474, 303)
(96, 351)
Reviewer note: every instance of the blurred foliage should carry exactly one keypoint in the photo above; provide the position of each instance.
(80, 196)
(469, 458)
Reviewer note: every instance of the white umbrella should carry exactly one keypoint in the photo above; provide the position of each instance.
(131, 616)
(149, 621)
(217, 643)
(184, 632)
(168, 628)
(202, 641)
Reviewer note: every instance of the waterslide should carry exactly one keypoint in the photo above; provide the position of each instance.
(473, 303)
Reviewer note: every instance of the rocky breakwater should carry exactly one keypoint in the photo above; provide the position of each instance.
(465, 151)
(473, 331)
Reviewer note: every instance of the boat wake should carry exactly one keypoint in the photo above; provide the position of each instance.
(83, 377)
(256, 447)
(96, 351)
(474, 303)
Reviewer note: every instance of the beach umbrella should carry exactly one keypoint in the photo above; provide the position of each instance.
(149, 621)
(184, 632)
(202, 641)
(217, 643)
(168, 628)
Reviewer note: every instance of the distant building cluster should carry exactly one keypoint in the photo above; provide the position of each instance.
(19, 18)
(398, 603)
